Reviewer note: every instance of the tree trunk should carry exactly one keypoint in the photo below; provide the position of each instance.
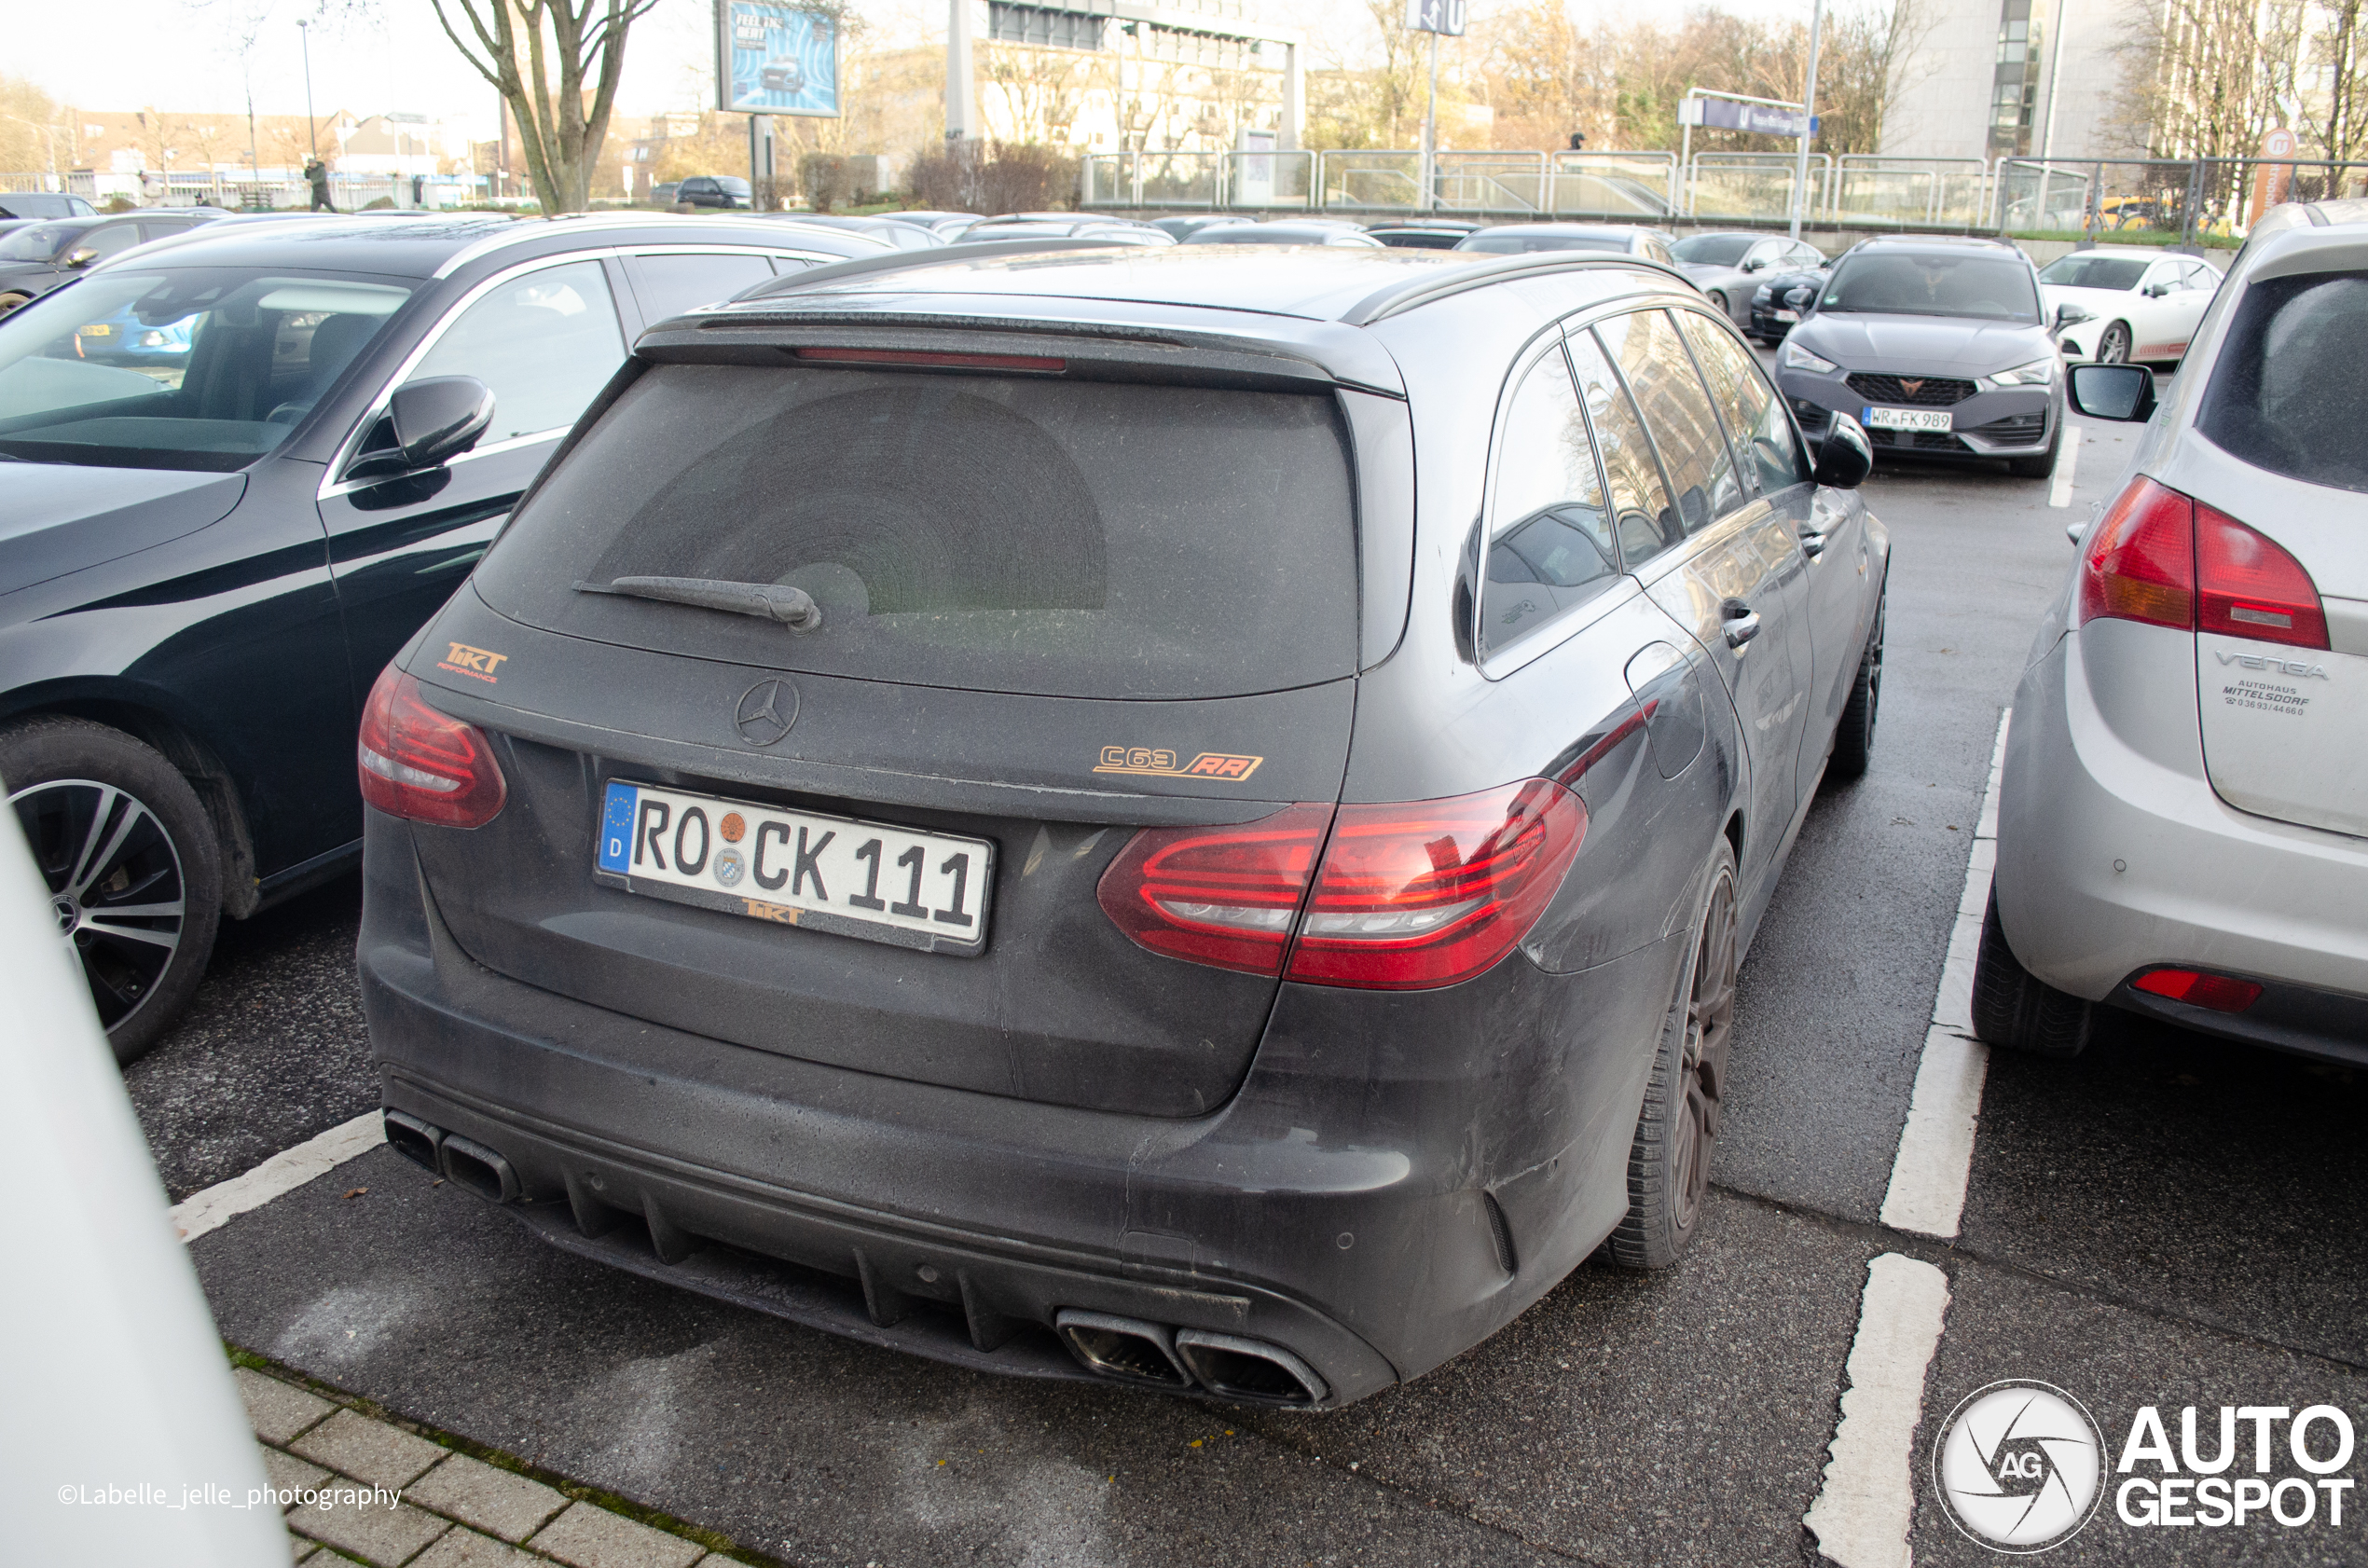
(537, 53)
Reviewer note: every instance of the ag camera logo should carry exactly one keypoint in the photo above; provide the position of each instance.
(2020, 1466)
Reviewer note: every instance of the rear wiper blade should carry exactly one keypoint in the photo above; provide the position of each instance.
(794, 608)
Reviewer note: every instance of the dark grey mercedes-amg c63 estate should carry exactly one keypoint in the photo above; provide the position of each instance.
(1185, 818)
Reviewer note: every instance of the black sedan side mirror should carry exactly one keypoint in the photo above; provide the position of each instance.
(428, 423)
(2114, 391)
(1846, 456)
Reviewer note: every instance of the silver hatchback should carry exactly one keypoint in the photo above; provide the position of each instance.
(2183, 823)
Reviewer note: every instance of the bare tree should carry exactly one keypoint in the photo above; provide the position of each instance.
(2339, 121)
(538, 54)
(2202, 78)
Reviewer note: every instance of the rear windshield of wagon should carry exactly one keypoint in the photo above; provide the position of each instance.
(1006, 534)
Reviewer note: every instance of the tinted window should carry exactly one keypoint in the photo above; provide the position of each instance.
(1516, 244)
(1550, 546)
(1981, 287)
(106, 240)
(545, 342)
(2095, 272)
(1770, 452)
(2287, 394)
(668, 285)
(1712, 250)
(37, 243)
(1693, 446)
(1013, 534)
(203, 368)
(1642, 516)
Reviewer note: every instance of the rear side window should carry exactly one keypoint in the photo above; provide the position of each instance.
(668, 285)
(1642, 516)
(1550, 548)
(988, 532)
(2287, 394)
(1693, 447)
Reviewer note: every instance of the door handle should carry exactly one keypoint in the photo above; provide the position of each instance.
(1812, 545)
(1742, 623)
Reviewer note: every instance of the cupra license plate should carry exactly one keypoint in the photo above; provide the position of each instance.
(1906, 419)
(867, 880)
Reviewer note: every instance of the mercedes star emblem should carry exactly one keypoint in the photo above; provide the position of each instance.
(766, 711)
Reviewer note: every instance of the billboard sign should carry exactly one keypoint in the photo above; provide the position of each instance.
(1437, 16)
(775, 59)
(1725, 114)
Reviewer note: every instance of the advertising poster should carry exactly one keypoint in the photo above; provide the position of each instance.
(775, 59)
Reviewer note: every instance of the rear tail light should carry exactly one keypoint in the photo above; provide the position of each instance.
(1220, 896)
(2219, 992)
(2167, 561)
(2141, 561)
(2252, 587)
(1406, 897)
(418, 763)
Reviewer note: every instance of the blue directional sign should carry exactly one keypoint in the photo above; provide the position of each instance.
(775, 59)
(1725, 114)
(1437, 16)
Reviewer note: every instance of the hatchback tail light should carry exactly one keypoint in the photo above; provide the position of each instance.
(2251, 586)
(2167, 560)
(419, 763)
(2140, 560)
(1436, 891)
(1406, 897)
(2195, 987)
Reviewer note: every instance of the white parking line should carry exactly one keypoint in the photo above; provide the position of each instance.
(1868, 1502)
(1936, 1155)
(2067, 460)
(284, 1172)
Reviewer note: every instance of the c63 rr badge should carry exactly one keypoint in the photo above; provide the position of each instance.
(1226, 767)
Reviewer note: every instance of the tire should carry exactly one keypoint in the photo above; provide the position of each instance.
(2015, 1009)
(2113, 344)
(1677, 1134)
(8, 302)
(80, 789)
(1854, 738)
(1718, 297)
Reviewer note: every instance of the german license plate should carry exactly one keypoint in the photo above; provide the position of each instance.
(867, 880)
(1788, 315)
(1906, 419)
(96, 330)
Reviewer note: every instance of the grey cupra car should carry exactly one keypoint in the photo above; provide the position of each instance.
(2183, 831)
(1185, 818)
(1937, 348)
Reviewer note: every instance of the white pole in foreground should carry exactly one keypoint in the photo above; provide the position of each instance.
(961, 92)
(1430, 135)
(1809, 118)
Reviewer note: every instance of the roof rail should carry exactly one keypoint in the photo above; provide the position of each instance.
(1399, 297)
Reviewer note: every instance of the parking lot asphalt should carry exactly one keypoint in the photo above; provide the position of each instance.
(2167, 1221)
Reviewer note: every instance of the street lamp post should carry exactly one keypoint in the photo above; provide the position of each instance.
(1809, 119)
(312, 132)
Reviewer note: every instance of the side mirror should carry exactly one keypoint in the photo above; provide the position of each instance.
(1845, 457)
(2155, 291)
(2072, 315)
(2114, 391)
(433, 420)
(82, 256)
(1753, 264)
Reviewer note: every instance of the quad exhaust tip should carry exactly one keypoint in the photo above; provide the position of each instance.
(462, 1161)
(415, 1140)
(1151, 1356)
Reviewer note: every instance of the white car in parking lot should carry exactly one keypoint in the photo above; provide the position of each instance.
(2183, 826)
(2124, 303)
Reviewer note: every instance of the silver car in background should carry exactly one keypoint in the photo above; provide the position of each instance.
(1728, 265)
(2183, 827)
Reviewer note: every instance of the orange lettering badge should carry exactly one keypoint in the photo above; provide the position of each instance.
(476, 662)
(1156, 764)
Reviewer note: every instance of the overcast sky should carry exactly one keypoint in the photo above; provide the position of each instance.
(191, 55)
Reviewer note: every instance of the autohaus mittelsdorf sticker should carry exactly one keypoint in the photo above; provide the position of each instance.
(2020, 1466)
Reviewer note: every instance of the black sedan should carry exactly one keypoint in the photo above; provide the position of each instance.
(1182, 820)
(210, 548)
(38, 257)
(1777, 304)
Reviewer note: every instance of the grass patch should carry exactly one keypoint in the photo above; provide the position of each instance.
(2127, 237)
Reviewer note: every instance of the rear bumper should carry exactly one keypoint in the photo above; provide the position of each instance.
(1339, 1207)
(2201, 884)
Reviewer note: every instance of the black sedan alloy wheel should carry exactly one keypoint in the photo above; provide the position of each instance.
(114, 884)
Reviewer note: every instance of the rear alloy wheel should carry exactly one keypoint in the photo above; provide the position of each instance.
(133, 872)
(2113, 344)
(8, 302)
(1718, 299)
(1669, 1163)
(2015, 1009)
(1854, 739)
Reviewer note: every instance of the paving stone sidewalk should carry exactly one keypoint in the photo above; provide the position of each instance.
(366, 1489)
